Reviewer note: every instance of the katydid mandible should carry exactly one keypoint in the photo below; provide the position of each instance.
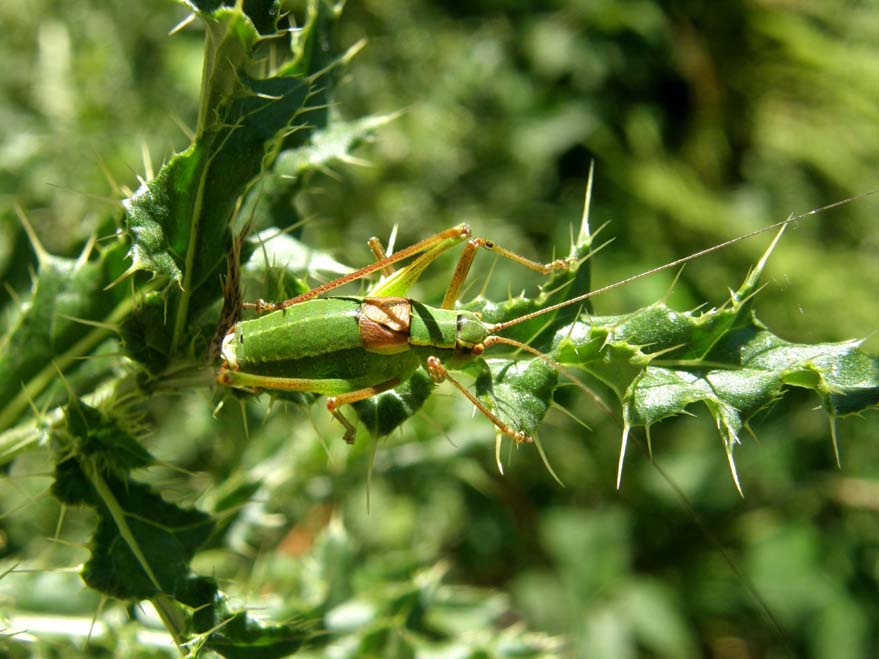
(351, 348)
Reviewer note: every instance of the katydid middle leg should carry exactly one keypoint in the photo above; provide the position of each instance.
(429, 249)
(439, 373)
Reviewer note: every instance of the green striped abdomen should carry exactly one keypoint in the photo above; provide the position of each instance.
(337, 345)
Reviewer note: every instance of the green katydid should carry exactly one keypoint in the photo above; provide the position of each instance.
(352, 348)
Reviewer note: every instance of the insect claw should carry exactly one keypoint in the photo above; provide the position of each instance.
(563, 264)
(518, 436)
(261, 306)
(223, 377)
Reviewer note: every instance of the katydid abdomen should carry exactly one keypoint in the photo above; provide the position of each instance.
(315, 346)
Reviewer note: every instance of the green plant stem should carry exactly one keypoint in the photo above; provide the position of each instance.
(186, 286)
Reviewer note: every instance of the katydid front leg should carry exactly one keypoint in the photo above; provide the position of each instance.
(466, 260)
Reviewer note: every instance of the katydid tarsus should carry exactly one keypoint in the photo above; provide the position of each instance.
(351, 348)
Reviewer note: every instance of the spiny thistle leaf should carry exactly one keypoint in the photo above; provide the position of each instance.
(558, 287)
(240, 637)
(386, 412)
(104, 439)
(142, 545)
(233, 634)
(333, 144)
(519, 392)
(330, 145)
(659, 361)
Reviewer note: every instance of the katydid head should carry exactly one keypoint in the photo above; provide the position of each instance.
(471, 332)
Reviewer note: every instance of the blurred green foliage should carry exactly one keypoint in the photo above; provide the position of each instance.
(705, 122)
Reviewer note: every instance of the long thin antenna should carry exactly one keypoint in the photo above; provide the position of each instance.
(497, 327)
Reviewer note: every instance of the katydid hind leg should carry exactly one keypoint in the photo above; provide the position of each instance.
(435, 245)
(335, 402)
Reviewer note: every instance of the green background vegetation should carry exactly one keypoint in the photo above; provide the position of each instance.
(704, 122)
